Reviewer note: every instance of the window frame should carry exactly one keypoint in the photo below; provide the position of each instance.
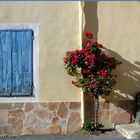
(34, 28)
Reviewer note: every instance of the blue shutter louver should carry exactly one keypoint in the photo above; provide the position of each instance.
(16, 63)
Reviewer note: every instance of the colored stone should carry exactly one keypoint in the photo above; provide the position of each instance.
(29, 107)
(17, 127)
(37, 127)
(74, 122)
(3, 117)
(18, 105)
(75, 105)
(56, 129)
(121, 117)
(54, 113)
(63, 126)
(6, 130)
(17, 114)
(31, 119)
(29, 131)
(45, 125)
(106, 105)
(62, 110)
(55, 121)
(10, 121)
(5, 106)
(45, 105)
(124, 105)
(53, 106)
(43, 114)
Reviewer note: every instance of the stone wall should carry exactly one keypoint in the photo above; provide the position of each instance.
(115, 112)
(110, 112)
(39, 118)
(59, 117)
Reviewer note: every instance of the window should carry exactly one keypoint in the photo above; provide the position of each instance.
(22, 84)
(16, 63)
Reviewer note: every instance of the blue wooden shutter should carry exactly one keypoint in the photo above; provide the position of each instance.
(16, 62)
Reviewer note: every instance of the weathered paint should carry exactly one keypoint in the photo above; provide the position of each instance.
(16, 72)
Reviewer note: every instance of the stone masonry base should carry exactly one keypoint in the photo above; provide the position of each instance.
(110, 112)
(59, 117)
(39, 118)
(115, 112)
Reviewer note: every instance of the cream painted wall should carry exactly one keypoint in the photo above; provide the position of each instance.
(114, 24)
(58, 32)
(119, 31)
(117, 26)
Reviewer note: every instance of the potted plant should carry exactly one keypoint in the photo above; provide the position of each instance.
(92, 68)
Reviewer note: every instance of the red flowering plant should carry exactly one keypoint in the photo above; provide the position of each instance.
(92, 67)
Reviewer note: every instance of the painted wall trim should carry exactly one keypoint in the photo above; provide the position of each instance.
(35, 28)
(80, 34)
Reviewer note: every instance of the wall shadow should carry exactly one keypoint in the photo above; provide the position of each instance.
(91, 24)
(128, 78)
(91, 19)
(128, 74)
(127, 86)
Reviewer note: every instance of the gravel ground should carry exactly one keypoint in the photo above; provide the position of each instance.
(80, 136)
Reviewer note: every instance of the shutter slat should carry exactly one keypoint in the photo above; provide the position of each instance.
(1, 65)
(14, 61)
(17, 84)
(9, 67)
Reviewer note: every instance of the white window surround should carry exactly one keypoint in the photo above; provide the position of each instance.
(34, 27)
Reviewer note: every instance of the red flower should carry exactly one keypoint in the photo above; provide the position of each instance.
(92, 63)
(86, 54)
(65, 61)
(90, 86)
(88, 57)
(92, 56)
(74, 61)
(77, 51)
(91, 95)
(87, 43)
(69, 56)
(95, 84)
(86, 63)
(85, 86)
(87, 71)
(88, 34)
(91, 76)
(98, 72)
(73, 82)
(75, 57)
(82, 51)
(103, 73)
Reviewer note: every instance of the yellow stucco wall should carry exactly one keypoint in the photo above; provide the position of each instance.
(116, 26)
(58, 32)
